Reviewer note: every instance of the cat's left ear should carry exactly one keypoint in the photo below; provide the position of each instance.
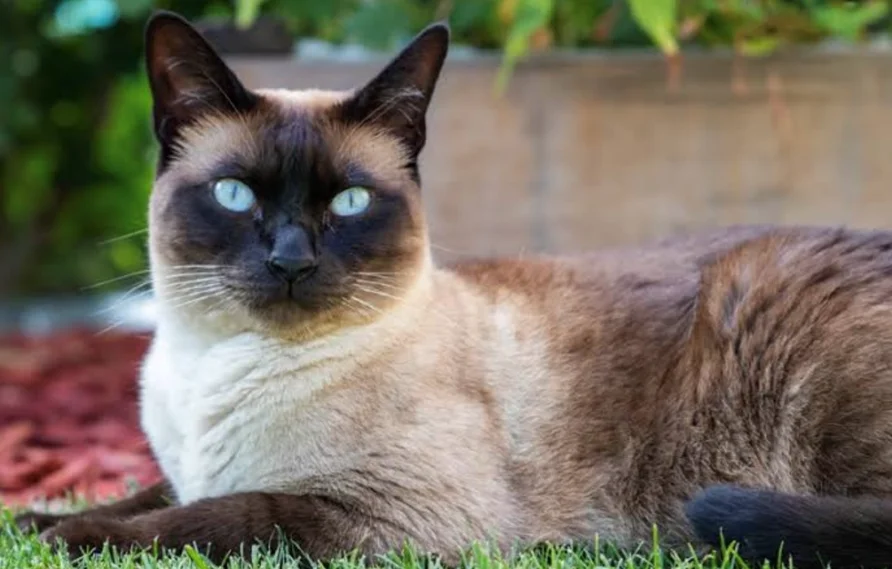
(187, 77)
(398, 97)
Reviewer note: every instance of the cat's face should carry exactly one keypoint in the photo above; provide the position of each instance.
(293, 208)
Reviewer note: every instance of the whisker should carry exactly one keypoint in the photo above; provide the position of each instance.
(348, 304)
(376, 273)
(380, 293)
(372, 290)
(187, 275)
(123, 237)
(179, 283)
(115, 279)
(183, 291)
(193, 290)
(367, 305)
(190, 271)
(385, 284)
(132, 292)
(185, 281)
(109, 328)
(196, 266)
(199, 298)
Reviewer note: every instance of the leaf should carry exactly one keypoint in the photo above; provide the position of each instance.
(658, 19)
(758, 46)
(246, 12)
(849, 20)
(529, 17)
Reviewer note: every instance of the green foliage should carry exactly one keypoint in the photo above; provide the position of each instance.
(659, 19)
(246, 11)
(518, 27)
(57, 101)
(76, 153)
(528, 17)
(749, 27)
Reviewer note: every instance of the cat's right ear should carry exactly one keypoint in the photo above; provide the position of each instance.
(187, 77)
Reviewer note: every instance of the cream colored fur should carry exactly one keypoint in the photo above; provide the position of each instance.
(228, 408)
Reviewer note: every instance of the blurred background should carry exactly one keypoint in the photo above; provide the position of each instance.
(559, 125)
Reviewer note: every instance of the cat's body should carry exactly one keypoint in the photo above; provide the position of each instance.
(375, 398)
(554, 399)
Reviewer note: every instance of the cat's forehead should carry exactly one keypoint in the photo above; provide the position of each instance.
(288, 126)
(311, 100)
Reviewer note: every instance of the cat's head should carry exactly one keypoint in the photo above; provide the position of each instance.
(286, 208)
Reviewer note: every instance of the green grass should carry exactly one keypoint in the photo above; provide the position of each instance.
(18, 551)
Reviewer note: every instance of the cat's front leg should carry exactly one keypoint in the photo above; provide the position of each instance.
(151, 498)
(218, 527)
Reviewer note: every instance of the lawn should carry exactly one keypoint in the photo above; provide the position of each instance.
(26, 551)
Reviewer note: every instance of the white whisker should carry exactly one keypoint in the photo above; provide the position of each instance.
(177, 284)
(379, 293)
(115, 279)
(132, 293)
(125, 236)
(383, 283)
(380, 273)
(189, 290)
(367, 305)
(199, 298)
(177, 268)
(109, 328)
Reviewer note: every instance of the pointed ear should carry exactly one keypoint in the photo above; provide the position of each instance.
(398, 97)
(186, 76)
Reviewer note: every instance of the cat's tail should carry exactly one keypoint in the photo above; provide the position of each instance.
(815, 531)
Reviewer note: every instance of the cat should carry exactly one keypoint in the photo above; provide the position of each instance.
(315, 375)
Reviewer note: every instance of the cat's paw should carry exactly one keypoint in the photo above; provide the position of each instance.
(81, 536)
(30, 521)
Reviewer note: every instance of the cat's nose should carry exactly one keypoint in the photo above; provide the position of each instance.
(292, 257)
(291, 268)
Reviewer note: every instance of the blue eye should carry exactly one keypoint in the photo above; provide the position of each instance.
(234, 195)
(350, 202)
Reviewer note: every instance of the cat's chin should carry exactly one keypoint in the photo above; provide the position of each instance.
(284, 303)
(295, 318)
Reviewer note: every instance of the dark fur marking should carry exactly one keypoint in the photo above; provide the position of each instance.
(812, 530)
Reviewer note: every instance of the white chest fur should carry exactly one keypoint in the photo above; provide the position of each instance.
(226, 415)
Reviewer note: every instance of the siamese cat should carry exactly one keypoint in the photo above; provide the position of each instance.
(315, 375)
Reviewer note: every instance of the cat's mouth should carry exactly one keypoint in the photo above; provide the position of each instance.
(286, 298)
(286, 294)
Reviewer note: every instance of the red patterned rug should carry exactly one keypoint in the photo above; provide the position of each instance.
(69, 420)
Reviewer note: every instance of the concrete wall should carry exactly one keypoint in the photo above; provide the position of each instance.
(586, 151)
